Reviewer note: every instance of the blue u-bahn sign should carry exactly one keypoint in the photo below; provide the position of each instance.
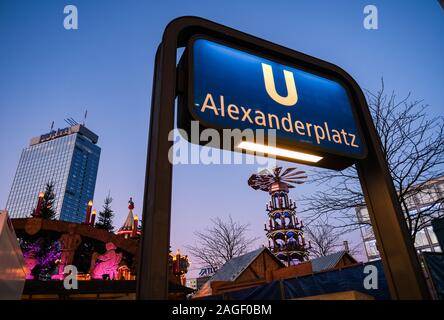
(231, 87)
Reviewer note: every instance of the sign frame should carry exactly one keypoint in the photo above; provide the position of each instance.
(333, 159)
(401, 265)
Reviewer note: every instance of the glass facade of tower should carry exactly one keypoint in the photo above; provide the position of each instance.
(69, 158)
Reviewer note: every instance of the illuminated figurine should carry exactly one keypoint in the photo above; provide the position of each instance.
(179, 265)
(68, 243)
(106, 264)
(30, 262)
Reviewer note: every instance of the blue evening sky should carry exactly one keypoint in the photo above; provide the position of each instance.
(48, 73)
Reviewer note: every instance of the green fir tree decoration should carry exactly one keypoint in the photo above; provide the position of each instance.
(105, 218)
(47, 203)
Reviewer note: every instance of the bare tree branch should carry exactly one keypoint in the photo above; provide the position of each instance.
(221, 242)
(326, 239)
(413, 144)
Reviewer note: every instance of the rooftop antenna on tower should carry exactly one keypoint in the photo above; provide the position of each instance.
(84, 117)
(52, 126)
(73, 121)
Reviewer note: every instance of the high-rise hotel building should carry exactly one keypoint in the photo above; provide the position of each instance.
(69, 158)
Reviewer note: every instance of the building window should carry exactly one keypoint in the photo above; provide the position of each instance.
(421, 239)
(371, 248)
(432, 235)
(363, 215)
(426, 196)
(367, 232)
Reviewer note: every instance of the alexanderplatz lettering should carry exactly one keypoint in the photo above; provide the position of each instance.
(233, 88)
(271, 121)
(227, 79)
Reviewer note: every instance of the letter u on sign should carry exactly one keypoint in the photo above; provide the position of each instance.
(292, 95)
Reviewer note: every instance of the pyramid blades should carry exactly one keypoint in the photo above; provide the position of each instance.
(265, 178)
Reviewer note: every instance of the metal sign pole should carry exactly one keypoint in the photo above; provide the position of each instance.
(402, 269)
(152, 275)
(401, 264)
